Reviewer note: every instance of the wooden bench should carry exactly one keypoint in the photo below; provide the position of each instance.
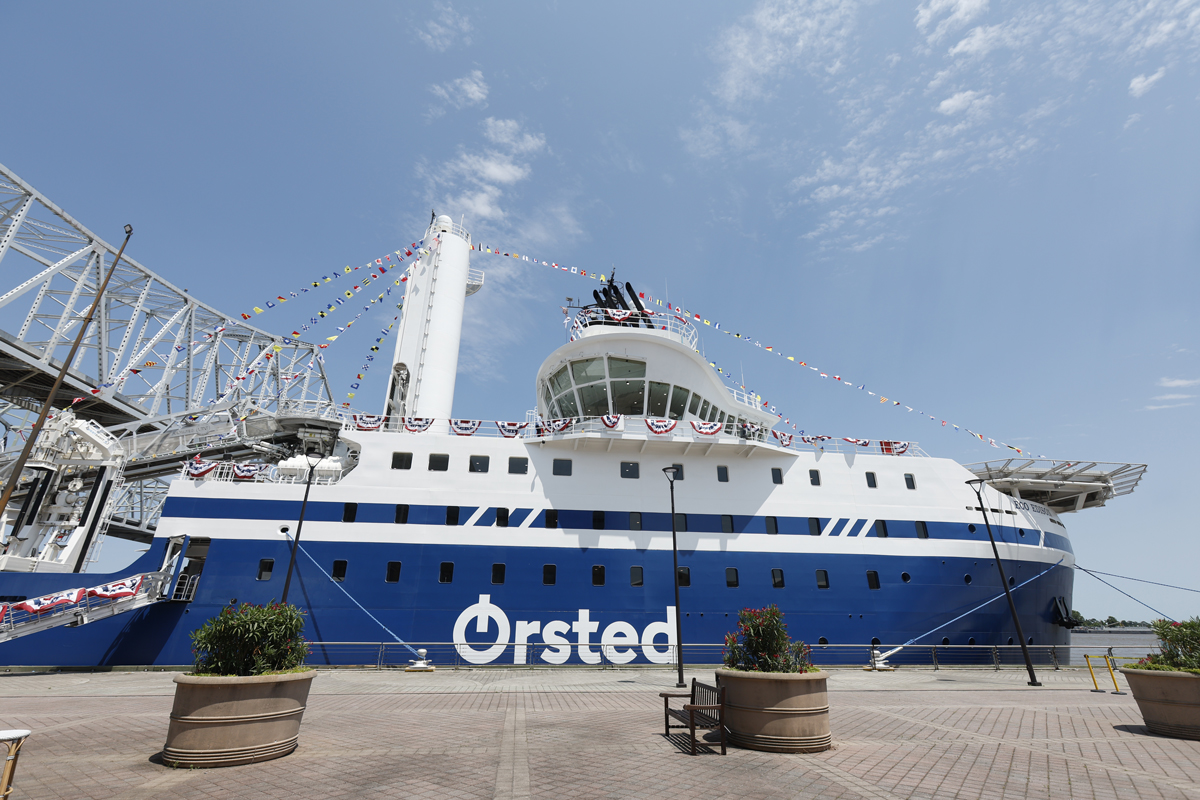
(705, 710)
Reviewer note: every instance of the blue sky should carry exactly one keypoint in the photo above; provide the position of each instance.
(987, 210)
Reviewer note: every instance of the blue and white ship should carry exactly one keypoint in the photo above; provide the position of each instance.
(549, 540)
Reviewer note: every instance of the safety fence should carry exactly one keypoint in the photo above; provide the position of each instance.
(393, 655)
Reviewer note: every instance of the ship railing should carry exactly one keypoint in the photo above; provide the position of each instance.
(665, 324)
(635, 427)
(230, 472)
(608, 655)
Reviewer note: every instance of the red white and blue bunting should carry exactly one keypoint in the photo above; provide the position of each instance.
(248, 472)
(198, 469)
(40, 605)
(709, 428)
(369, 422)
(611, 420)
(661, 426)
(465, 427)
(417, 424)
(785, 439)
(859, 442)
(123, 588)
(510, 430)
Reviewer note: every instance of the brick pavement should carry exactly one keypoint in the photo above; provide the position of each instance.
(573, 733)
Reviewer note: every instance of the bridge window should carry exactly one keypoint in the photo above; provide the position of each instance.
(716, 415)
(679, 400)
(772, 525)
(560, 381)
(497, 573)
(871, 481)
(881, 528)
(635, 522)
(265, 567)
(439, 462)
(562, 466)
(401, 460)
(629, 469)
(629, 397)
(658, 398)
(685, 576)
(776, 475)
(822, 579)
(598, 520)
(910, 481)
(565, 406)
(872, 579)
(594, 399)
(635, 576)
(551, 517)
(339, 570)
(694, 406)
(349, 512)
(598, 575)
(731, 577)
(814, 526)
(393, 572)
(402, 514)
(722, 474)
(479, 463)
(451, 515)
(446, 572)
(777, 578)
(923, 530)
(704, 407)
(518, 465)
(814, 477)
(549, 574)
(726, 523)
(624, 368)
(587, 370)
(501, 517)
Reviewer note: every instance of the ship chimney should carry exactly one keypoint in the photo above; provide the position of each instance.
(426, 358)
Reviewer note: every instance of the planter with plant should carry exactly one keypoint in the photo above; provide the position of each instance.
(1166, 684)
(775, 699)
(245, 699)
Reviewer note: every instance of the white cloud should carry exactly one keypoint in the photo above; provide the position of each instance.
(963, 101)
(1173, 397)
(1178, 383)
(1144, 83)
(960, 13)
(1169, 405)
(446, 28)
(1132, 119)
(469, 90)
(508, 134)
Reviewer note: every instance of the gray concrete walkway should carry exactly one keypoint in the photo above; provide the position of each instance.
(571, 733)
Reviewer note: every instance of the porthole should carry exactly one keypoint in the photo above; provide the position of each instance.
(822, 640)
(875, 641)
(967, 580)
(1012, 581)
(904, 576)
(945, 640)
(1021, 532)
(971, 640)
(1030, 640)
(1010, 640)
(971, 528)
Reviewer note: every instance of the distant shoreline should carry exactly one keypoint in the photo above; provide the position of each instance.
(1111, 630)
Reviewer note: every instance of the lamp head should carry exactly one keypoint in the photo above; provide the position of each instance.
(976, 484)
(128, 230)
(670, 473)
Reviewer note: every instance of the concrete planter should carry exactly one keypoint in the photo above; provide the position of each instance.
(225, 721)
(780, 712)
(1169, 701)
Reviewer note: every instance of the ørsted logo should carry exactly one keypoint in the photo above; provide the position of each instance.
(619, 639)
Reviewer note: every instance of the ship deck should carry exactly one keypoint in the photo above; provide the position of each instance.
(961, 734)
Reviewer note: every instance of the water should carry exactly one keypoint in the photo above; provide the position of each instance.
(1124, 646)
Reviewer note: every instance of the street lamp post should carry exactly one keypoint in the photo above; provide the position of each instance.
(670, 473)
(977, 485)
(312, 468)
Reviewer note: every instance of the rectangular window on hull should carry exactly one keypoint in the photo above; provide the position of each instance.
(881, 528)
(635, 576)
(635, 522)
(501, 517)
(871, 480)
(401, 460)
(393, 572)
(777, 578)
(451, 515)
(630, 469)
(562, 466)
(497, 573)
(478, 463)
(446, 572)
(776, 475)
(678, 471)
(598, 575)
(822, 579)
(814, 526)
(685, 576)
(722, 474)
(681, 523)
(597, 520)
(518, 465)
(814, 477)
(910, 481)
(402, 514)
(265, 567)
(772, 525)
(731, 577)
(922, 530)
(872, 579)
(549, 574)
(439, 462)
(551, 517)
(726, 523)
(349, 512)
(339, 571)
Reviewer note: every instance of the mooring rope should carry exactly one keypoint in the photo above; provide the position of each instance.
(1127, 594)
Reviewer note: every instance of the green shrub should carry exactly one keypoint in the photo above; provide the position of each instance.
(1178, 645)
(761, 644)
(250, 640)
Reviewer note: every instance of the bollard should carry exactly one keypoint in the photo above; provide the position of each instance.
(1087, 657)
(13, 739)
(1108, 660)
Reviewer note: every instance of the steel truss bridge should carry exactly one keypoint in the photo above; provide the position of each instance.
(168, 375)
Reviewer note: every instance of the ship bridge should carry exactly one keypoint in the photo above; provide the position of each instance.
(1063, 486)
